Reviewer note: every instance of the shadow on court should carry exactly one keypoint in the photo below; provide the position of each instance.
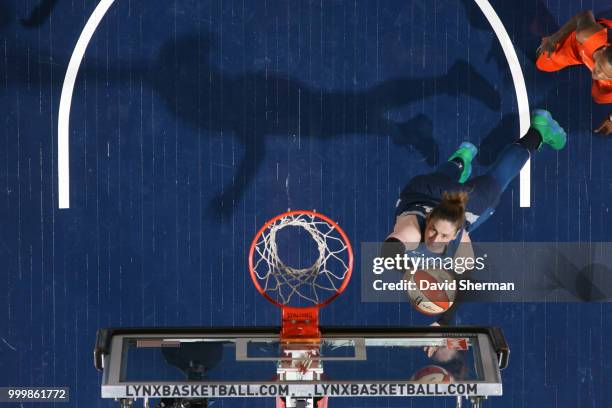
(589, 283)
(33, 18)
(254, 106)
(39, 14)
(7, 13)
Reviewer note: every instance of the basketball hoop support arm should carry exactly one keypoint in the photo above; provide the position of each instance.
(300, 324)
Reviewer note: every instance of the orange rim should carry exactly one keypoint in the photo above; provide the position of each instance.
(315, 214)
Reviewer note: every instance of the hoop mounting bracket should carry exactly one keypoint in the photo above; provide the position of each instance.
(300, 324)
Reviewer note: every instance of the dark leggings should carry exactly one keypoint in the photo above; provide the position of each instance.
(497, 177)
(485, 190)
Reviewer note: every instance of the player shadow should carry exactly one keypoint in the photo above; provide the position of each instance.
(7, 14)
(257, 105)
(591, 283)
(497, 139)
(39, 14)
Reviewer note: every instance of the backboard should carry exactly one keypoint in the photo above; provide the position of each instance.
(299, 364)
(199, 364)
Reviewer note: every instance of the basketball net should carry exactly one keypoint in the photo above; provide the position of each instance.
(301, 292)
(311, 284)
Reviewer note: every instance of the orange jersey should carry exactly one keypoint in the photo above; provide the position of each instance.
(571, 52)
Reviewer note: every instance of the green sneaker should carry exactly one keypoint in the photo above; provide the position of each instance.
(466, 152)
(552, 134)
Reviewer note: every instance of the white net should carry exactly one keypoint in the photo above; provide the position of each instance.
(293, 285)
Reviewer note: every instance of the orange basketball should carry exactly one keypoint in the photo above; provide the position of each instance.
(433, 291)
(432, 374)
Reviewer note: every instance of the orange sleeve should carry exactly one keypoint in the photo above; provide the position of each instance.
(602, 92)
(595, 42)
(565, 55)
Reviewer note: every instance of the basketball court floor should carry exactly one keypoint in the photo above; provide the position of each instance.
(194, 122)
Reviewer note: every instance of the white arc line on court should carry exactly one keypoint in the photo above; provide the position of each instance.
(63, 123)
(63, 120)
(519, 88)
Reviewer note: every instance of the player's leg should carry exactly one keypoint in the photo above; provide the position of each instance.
(544, 130)
(459, 165)
(488, 188)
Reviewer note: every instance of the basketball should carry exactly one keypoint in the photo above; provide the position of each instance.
(433, 291)
(432, 374)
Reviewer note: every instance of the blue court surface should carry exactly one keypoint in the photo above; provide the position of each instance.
(193, 122)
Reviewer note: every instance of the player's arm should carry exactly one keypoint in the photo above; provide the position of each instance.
(586, 25)
(583, 23)
(406, 231)
(465, 250)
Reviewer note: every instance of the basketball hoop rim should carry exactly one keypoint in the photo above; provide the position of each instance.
(323, 217)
